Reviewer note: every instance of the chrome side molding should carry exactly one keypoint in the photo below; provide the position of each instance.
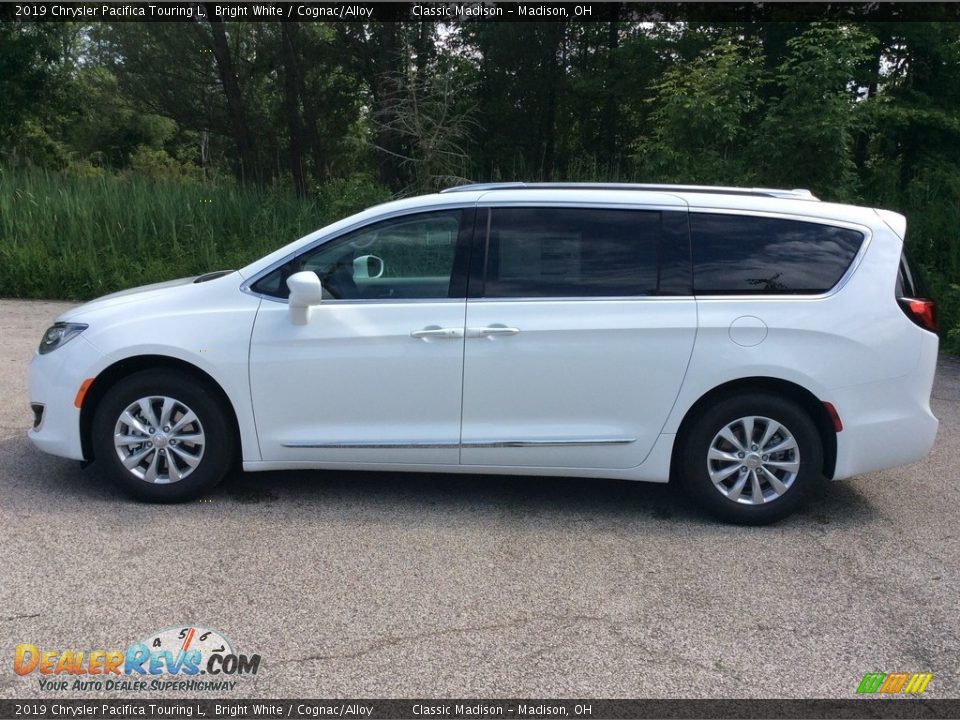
(376, 445)
(545, 443)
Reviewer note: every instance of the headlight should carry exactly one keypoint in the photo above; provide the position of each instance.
(59, 334)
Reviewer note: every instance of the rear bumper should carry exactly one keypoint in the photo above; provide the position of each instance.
(887, 423)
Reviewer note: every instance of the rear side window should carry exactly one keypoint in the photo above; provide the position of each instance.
(571, 252)
(746, 255)
(910, 283)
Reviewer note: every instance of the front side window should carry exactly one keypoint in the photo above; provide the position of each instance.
(404, 258)
(749, 255)
(571, 252)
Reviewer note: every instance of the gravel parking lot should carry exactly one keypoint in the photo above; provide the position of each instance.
(392, 585)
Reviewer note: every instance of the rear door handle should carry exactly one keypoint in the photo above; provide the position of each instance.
(492, 331)
(434, 332)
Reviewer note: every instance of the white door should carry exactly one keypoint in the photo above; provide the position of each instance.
(375, 374)
(574, 352)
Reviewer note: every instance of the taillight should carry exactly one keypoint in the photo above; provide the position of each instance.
(922, 311)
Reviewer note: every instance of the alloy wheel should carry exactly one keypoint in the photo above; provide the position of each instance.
(753, 460)
(159, 439)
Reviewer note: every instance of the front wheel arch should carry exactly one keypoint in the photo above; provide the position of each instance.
(128, 366)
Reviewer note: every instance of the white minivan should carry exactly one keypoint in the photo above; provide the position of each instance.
(745, 342)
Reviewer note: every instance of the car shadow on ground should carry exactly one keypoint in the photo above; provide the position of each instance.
(29, 478)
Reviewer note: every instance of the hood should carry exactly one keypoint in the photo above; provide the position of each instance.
(152, 292)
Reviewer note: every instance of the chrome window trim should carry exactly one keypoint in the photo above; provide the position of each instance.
(532, 299)
(479, 204)
(247, 285)
(576, 298)
(844, 279)
(369, 301)
(483, 203)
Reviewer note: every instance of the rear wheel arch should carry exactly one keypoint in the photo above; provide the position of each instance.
(798, 394)
(112, 374)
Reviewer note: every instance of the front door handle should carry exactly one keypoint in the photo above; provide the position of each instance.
(435, 332)
(492, 331)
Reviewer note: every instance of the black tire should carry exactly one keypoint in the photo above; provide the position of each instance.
(213, 457)
(695, 468)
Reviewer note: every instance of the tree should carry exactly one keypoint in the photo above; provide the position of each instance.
(806, 138)
(249, 167)
(433, 129)
(377, 52)
(705, 115)
(31, 81)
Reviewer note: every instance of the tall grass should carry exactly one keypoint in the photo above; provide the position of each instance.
(76, 237)
(64, 236)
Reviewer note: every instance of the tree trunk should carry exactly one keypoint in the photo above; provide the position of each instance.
(291, 105)
(311, 113)
(610, 107)
(863, 135)
(248, 169)
(556, 40)
(386, 93)
(423, 42)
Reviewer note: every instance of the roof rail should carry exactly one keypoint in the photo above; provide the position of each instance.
(795, 194)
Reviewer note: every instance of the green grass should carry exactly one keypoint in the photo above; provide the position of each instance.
(70, 237)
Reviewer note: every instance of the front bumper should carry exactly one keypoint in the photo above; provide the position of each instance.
(53, 381)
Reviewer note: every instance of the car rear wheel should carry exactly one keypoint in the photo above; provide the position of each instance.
(751, 459)
(162, 436)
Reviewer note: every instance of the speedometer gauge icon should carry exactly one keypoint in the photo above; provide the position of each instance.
(187, 638)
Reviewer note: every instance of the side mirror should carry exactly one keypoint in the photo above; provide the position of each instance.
(367, 266)
(305, 292)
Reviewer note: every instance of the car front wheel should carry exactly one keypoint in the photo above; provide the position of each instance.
(162, 436)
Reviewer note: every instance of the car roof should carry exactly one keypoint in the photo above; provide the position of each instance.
(796, 193)
(798, 203)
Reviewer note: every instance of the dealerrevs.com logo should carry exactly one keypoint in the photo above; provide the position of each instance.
(187, 658)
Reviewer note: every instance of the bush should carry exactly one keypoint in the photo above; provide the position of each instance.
(342, 197)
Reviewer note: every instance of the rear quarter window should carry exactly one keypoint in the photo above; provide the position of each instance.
(749, 255)
(910, 282)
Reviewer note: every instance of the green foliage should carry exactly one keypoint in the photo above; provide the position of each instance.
(80, 235)
(153, 163)
(345, 196)
(932, 205)
(806, 138)
(947, 294)
(705, 115)
(137, 125)
(724, 117)
(28, 72)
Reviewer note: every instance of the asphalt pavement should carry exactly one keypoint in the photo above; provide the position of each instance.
(355, 584)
